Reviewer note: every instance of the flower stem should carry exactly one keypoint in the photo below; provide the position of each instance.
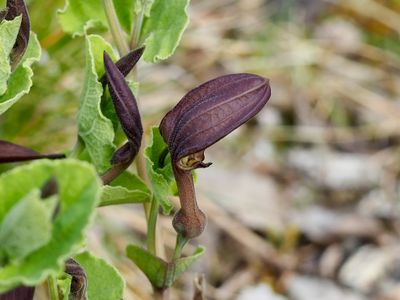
(138, 27)
(152, 226)
(115, 27)
(181, 241)
(53, 290)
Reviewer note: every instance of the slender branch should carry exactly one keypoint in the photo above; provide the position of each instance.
(137, 29)
(181, 241)
(53, 290)
(152, 226)
(115, 27)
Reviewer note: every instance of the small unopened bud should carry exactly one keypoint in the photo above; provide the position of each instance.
(127, 111)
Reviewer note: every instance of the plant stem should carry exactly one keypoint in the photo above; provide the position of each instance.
(53, 290)
(115, 27)
(138, 27)
(180, 243)
(152, 226)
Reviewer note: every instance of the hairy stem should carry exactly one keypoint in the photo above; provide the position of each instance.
(152, 227)
(181, 241)
(53, 290)
(138, 27)
(115, 27)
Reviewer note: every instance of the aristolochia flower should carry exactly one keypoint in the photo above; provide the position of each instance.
(203, 116)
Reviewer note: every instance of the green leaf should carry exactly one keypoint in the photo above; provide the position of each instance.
(25, 228)
(161, 183)
(77, 16)
(8, 35)
(126, 188)
(163, 29)
(20, 82)
(94, 128)
(125, 12)
(160, 273)
(153, 267)
(182, 264)
(104, 281)
(79, 194)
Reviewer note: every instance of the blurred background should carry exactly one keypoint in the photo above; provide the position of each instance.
(302, 202)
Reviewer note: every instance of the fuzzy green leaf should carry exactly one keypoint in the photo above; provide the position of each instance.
(161, 182)
(153, 267)
(79, 194)
(160, 273)
(25, 228)
(126, 188)
(78, 16)
(103, 281)
(125, 12)
(8, 35)
(20, 82)
(94, 128)
(163, 29)
(182, 264)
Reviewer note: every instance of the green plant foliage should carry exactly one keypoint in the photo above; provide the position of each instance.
(163, 29)
(78, 16)
(152, 266)
(19, 82)
(160, 273)
(79, 193)
(124, 10)
(25, 228)
(126, 188)
(160, 181)
(94, 128)
(8, 35)
(182, 264)
(103, 281)
(164, 24)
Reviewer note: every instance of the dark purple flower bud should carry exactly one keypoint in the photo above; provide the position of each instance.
(10, 152)
(211, 111)
(19, 293)
(126, 63)
(125, 107)
(203, 116)
(18, 8)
